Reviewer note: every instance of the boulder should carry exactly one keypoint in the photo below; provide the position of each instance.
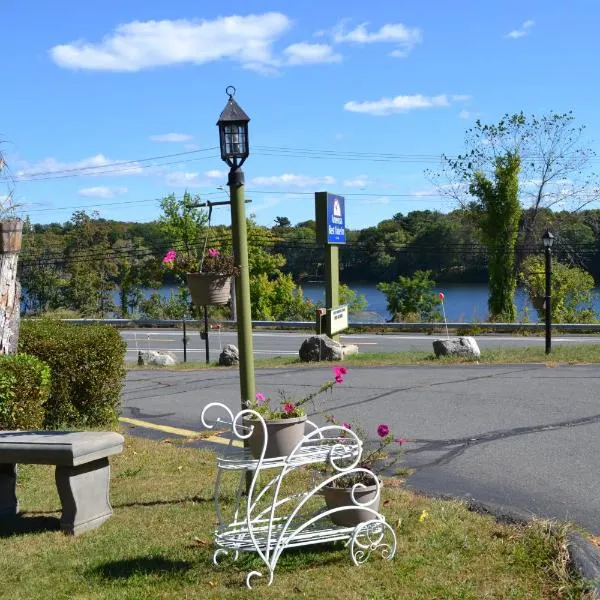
(457, 346)
(229, 356)
(321, 347)
(156, 359)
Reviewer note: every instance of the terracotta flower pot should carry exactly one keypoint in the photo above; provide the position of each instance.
(337, 497)
(209, 288)
(282, 436)
(11, 235)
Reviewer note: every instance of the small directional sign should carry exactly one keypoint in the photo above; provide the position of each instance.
(338, 319)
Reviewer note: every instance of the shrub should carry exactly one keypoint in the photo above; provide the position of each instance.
(24, 389)
(87, 365)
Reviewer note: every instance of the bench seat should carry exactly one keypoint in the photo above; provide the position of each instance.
(82, 472)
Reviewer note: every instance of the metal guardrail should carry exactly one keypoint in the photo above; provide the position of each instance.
(140, 323)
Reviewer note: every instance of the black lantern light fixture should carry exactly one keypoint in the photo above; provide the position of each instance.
(548, 240)
(233, 132)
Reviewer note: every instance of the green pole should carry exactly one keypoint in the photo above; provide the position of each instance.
(242, 289)
(332, 282)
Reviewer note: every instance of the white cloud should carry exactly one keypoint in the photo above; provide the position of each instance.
(360, 181)
(398, 104)
(94, 165)
(138, 45)
(172, 137)
(522, 31)
(293, 180)
(215, 174)
(406, 38)
(183, 179)
(102, 192)
(305, 54)
(468, 114)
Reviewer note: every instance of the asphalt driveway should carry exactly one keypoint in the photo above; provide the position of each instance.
(524, 437)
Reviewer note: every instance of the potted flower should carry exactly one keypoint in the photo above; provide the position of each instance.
(285, 420)
(208, 279)
(361, 486)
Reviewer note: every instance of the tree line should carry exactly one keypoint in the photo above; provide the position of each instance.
(516, 179)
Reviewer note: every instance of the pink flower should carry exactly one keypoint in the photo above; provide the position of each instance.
(400, 440)
(260, 398)
(170, 256)
(339, 379)
(347, 425)
(339, 371)
(383, 430)
(213, 252)
(289, 408)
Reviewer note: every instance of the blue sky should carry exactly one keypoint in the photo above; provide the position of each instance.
(88, 84)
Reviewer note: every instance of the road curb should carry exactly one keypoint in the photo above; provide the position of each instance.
(583, 555)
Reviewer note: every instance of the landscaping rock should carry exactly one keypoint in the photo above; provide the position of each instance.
(229, 356)
(458, 346)
(321, 347)
(156, 359)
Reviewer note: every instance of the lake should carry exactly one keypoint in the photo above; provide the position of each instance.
(463, 302)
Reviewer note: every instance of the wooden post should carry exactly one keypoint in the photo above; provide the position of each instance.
(10, 288)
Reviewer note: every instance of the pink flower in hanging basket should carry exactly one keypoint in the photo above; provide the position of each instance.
(169, 257)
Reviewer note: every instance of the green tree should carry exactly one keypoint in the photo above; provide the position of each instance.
(571, 290)
(91, 266)
(500, 211)
(411, 298)
(555, 170)
(356, 302)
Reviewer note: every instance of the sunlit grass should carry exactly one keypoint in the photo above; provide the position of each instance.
(158, 544)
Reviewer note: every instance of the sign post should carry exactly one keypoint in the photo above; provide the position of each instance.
(330, 218)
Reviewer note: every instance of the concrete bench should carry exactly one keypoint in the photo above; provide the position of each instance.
(82, 472)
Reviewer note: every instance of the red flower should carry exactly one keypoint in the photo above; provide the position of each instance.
(383, 430)
(289, 408)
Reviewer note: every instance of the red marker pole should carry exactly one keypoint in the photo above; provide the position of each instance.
(441, 297)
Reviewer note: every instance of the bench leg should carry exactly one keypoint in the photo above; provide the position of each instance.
(84, 494)
(9, 505)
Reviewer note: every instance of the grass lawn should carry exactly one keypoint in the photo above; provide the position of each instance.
(561, 354)
(158, 544)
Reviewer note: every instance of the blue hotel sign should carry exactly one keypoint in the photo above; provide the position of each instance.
(330, 218)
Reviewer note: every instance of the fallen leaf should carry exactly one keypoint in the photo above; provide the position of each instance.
(200, 542)
(424, 515)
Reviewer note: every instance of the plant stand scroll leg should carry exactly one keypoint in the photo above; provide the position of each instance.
(84, 494)
(9, 505)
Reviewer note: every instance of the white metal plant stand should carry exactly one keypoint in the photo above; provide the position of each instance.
(266, 522)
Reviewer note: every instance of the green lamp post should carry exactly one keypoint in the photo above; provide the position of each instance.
(233, 135)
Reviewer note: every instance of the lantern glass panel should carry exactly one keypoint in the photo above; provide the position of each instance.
(235, 140)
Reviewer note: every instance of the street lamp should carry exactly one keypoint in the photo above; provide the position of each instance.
(233, 136)
(548, 240)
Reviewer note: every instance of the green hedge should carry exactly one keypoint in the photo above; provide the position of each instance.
(24, 389)
(88, 370)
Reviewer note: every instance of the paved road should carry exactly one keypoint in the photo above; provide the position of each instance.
(268, 344)
(526, 437)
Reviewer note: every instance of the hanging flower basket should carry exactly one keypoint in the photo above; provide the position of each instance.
(209, 288)
(10, 235)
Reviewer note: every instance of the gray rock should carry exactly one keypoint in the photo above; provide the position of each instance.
(349, 349)
(156, 359)
(458, 346)
(229, 356)
(320, 347)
